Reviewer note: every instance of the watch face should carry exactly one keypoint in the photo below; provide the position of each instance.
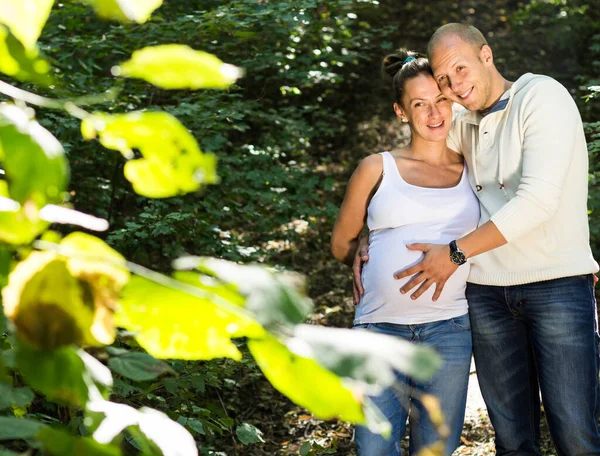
(458, 257)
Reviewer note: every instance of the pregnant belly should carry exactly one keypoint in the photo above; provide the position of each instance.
(387, 255)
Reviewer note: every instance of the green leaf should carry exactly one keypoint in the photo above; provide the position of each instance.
(18, 428)
(305, 449)
(58, 374)
(124, 10)
(366, 356)
(273, 301)
(139, 366)
(305, 382)
(169, 323)
(60, 443)
(4, 452)
(247, 434)
(34, 161)
(193, 423)
(22, 63)
(172, 162)
(11, 396)
(25, 18)
(176, 66)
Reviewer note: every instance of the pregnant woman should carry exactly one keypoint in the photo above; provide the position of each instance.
(418, 194)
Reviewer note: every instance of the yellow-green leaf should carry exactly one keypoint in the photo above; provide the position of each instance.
(174, 324)
(21, 227)
(20, 62)
(124, 10)
(306, 383)
(101, 271)
(56, 300)
(176, 66)
(90, 257)
(172, 162)
(25, 18)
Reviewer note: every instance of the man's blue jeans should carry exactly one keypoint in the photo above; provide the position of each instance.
(451, 339)
(542, 333)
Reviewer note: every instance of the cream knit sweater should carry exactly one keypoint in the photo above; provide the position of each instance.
(531, 161)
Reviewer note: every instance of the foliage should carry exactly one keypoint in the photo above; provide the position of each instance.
(62, 296)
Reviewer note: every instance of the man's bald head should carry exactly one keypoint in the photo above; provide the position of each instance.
(467, 33)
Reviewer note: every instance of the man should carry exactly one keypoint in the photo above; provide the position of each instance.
(530, 289)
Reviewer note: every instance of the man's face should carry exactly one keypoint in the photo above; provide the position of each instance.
(463, 72)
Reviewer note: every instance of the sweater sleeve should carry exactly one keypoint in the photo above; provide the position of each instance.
(550, 122)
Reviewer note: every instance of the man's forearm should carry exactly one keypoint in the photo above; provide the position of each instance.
(485, 238)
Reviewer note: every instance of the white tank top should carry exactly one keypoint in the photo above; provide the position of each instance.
(399, 214)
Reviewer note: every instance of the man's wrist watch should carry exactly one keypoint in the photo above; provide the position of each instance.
(457, 256)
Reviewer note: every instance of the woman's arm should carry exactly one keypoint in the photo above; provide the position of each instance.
(353, 212)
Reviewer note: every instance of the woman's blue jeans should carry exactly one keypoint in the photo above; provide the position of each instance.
(532, 337)
(451, 339)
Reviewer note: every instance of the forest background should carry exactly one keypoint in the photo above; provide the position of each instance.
(286, 136)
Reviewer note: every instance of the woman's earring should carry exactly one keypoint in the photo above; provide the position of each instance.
(404, 120)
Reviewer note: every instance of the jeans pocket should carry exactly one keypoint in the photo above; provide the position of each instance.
(462, 323)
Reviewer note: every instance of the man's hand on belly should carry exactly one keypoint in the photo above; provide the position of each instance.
(435, 268)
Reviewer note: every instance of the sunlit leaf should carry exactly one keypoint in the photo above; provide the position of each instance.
(305, 382)
(171, 437)
(55, 300)
(176, 66)
(60, 443)
(10, 396)
(169, 323)
(138, 366)
(12, 428)
(172, 162)
(48, 306)
(33, 160)
(124, 10)
(25, 18)
(58, 374)
(271, 300)
(101, 270)
(22, 63)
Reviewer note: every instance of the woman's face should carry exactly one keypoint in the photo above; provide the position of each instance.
(428, 111)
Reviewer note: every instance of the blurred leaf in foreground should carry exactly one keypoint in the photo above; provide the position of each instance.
(25, 18)
(170, 323)
(172, 162)
(55, 300)
(272, 300)
(64, 375)
(124, 10)
(176, 66)
(20, 62)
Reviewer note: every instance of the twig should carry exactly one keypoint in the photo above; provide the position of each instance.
(71, 105)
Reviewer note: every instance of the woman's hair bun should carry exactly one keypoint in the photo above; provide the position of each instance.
(393, 62)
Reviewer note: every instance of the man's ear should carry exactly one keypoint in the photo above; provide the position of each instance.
(486, 55)
(399, 112)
